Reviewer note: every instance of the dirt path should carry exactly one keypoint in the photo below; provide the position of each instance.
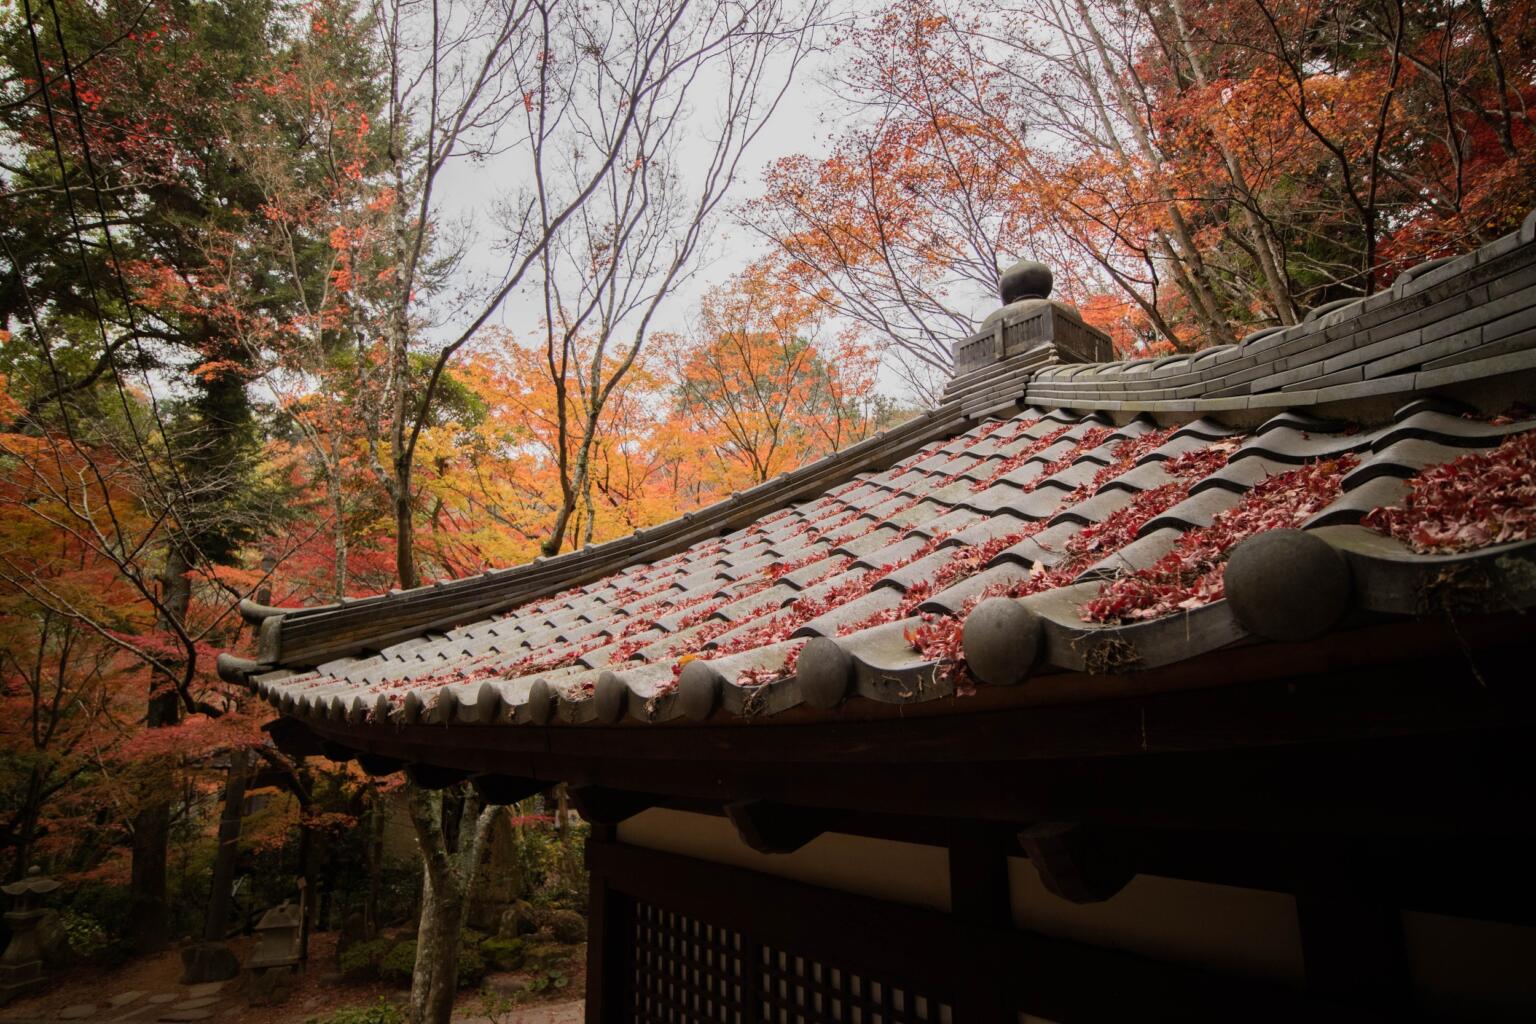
(148, 990)
(569, 1012)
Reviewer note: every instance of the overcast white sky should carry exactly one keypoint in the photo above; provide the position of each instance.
(806, 122)
(798, 126)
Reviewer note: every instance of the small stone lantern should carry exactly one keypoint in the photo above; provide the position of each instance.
(21, 967)
(276, 958)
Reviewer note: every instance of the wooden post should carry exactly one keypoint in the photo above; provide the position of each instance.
(610, 944)
(1352, 944)
(979, 897)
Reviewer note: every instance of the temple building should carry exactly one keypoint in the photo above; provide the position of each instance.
(1194, 687)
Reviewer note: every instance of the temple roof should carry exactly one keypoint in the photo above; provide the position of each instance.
(1076, 519)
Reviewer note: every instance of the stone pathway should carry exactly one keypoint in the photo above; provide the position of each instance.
(206, 989)
(185, 1006)
(570, 1012)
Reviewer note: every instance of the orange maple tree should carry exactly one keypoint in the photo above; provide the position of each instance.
(1192, 174)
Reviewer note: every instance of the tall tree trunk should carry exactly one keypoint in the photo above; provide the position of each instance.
(152, 823)
(450, 862)
(1261, 239)
(338, 531)
(375, 860)
(1188, 263)
(221, 893)
(434, 981)
(405, 532)
(26, 824)
(571, 490)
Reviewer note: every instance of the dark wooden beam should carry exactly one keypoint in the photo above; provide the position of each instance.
(610, 952)
(337, 752)
(604, 806)
(1442, 784)
(377, 765)
(501, 790)
(293, 738)
(936, 953)
(768, 827)
(431, 776)
(1074, 863)
(1470, 880)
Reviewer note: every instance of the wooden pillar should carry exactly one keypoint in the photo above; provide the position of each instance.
(979, 897)
(1352, 945)
(610, 944)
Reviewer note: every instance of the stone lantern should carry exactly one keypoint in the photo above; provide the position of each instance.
(274, 962)
(21, 967)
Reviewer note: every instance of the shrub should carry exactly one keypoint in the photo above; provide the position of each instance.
(398, 964)
(109, 908)
(541, 959)
(87, 938)
(503, 954)
(471, 966)
(381, 1012)
(567, 926)
(360, 961)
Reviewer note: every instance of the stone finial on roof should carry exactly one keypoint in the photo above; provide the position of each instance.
(1026, 279)
(1030, 319)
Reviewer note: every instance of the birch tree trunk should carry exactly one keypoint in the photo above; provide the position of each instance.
(449, 866)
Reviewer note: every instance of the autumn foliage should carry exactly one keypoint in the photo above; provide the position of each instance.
(244, 353)
(1192, 172)
(1471, 502)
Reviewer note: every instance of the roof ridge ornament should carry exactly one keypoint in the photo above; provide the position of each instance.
(1030, 321)
(1026, 279)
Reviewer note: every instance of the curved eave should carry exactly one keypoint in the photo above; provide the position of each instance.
(1389, 685)
(1446, 330)
(1388, 587)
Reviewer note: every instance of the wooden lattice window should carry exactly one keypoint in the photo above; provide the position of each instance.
(686, 970)
(796, 989)
(691, 971)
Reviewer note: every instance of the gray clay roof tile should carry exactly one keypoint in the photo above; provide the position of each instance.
(924, 505)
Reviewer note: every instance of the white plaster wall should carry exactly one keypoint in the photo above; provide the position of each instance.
(1233, 930)
(1459, 965)
(1464, 967)
(902, 872)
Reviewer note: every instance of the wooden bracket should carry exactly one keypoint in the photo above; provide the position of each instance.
(377, 765)
(1072, 865)
(293, 738)
(500, 790)
(776, 828)
(603, 806)
(337, 752)
(431, 776)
